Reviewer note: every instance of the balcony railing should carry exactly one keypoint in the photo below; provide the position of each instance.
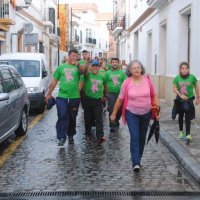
(118, 23)
(118, 20)
(4, 9)
(5, 15)
(94, 41)
(156, 3)
(91, 41)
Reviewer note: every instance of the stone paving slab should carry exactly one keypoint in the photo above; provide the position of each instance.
(39, 165)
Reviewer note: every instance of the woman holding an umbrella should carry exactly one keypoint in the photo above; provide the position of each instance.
(135, 95)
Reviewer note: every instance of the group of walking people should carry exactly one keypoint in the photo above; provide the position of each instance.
(129, 93)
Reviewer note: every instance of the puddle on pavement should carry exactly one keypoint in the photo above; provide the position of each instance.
(180, 178)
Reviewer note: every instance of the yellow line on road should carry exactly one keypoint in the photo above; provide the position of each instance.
(12, 147)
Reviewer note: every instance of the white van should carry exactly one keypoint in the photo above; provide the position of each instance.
(34, 72)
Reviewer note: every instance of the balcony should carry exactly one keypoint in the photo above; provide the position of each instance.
(118, 24)
(157, 3)
(75, 39)
(5, 13)
(90, 41)
(94, 41)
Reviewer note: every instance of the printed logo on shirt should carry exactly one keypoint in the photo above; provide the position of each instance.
(95, 85)
(68, 74)
(183, 86)
(115, 79)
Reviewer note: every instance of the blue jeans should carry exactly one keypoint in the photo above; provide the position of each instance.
(138, 126)
(67, 110)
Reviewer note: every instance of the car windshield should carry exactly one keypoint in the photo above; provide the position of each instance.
(26, 68)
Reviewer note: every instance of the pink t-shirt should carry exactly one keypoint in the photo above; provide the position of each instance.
(139, 100)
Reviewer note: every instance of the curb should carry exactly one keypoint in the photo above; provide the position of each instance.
(183, 156)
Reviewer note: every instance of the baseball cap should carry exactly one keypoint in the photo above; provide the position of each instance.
(95, 62)
(50, 103)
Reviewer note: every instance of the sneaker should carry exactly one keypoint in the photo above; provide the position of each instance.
(71, 140)
(101, 140)
(181, 135)
(61, 142)
(136, 168)
(188, 139)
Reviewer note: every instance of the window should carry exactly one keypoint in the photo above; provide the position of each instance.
(1, 87)
(189, 37)
(43, 69)
(185, 39)
(8, 81)
(26, 68)
(41, 47)
(17, 79)
(81, 37)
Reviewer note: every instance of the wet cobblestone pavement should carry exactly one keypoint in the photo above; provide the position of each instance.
(40, 165)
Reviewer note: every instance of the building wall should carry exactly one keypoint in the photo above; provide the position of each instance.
(36, 14)
(90, 18)
(160, 42)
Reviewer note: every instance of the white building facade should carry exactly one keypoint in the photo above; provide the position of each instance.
(35, 29)
(89, 31)
(161, 34)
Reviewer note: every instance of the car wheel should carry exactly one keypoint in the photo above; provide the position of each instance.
(23, 126)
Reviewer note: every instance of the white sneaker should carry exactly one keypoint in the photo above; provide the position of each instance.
(136, 168)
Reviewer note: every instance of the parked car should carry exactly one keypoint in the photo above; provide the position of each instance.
(35, 73)
(14, 103)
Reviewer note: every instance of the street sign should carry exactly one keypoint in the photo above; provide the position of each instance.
(31, 38)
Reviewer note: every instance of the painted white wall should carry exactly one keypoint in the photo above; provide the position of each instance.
(175, 36)
(99, 32)
(39, 11)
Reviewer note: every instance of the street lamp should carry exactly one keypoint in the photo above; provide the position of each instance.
(27, 4)
(109, 25)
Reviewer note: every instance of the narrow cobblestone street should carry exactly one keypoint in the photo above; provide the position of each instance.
(39, 165)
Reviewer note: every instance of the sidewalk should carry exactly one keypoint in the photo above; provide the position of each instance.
(187, 155)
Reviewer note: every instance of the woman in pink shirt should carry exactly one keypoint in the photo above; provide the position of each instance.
(135, 96)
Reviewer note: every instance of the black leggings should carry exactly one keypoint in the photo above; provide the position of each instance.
(187, 122)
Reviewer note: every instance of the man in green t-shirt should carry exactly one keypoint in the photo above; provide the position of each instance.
(67, 102)
(93, 87)
(114, 79)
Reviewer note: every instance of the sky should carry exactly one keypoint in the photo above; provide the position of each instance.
(103, 5)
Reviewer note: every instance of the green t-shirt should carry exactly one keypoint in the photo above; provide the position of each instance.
(93, 85)
(108, 66)
(102, 71)
(114, 80)
(185, 86)
(69, 76)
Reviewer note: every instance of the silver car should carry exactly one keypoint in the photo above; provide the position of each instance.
(14, 103)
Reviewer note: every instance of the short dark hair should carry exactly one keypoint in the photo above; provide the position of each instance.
(72, 51)
(84, 51)
(184, 63)
(115, 59)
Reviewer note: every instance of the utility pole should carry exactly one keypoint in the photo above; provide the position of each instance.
(71, 28)
(57, 34)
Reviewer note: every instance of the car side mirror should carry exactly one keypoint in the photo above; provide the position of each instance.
(4, 96)
(44, 74)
